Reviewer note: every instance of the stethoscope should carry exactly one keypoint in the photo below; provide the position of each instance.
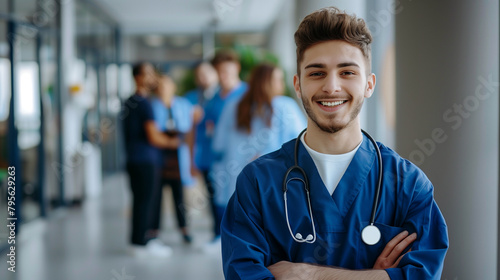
(370, 234)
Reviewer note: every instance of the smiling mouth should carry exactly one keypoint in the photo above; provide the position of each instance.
(332, 104)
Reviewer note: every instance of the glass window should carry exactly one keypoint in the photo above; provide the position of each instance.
(112, 73)
(27, 104)
(48, 71)
(26, 8)
(4, 74)
(4, 78)
(4, 7)
(4, 113)
(4, 88)
(127, 84)
(4, 45)
(27, 117)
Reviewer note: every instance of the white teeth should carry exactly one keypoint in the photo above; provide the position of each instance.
(331, 104)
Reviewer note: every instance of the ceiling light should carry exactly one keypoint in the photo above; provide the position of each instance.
(153, 41)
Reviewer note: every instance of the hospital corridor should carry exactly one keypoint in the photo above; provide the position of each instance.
(249, 139)
(90, 242)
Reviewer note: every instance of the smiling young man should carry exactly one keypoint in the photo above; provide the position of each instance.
(274, 229)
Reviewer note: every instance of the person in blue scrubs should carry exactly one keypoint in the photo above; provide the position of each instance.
(207, 82)
(227, 65)
(259, 241)
(174, 116)
(259, 123)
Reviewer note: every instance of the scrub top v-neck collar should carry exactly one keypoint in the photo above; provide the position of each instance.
(339, 203)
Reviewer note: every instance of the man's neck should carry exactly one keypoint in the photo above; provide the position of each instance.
(142, 91)
(340, 142)
(168, 102)
(225, 91)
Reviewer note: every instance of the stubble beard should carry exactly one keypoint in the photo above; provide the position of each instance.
(332, 127)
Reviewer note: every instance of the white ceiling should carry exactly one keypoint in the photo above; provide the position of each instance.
(192, 16)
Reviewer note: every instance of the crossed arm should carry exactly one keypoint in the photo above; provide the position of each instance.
(158, 139)
(245, 249)
(390, 257)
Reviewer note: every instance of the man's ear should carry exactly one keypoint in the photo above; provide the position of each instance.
(296, 86)
(370, 85)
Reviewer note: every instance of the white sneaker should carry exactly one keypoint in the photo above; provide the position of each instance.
(156, 248)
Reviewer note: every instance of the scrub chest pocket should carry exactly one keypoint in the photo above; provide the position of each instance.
(368, 254)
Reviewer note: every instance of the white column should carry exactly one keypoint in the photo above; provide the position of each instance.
(448, 120)
(281, 41)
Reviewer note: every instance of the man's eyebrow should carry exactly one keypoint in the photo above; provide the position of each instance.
(347, 64)
(340, 65)
(315, 65)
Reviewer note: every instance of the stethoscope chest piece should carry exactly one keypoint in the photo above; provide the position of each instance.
(370, 235)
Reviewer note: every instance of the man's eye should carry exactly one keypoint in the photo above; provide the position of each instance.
(316, 74)
(347, 73)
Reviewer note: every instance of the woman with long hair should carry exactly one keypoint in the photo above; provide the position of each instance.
(257, 124)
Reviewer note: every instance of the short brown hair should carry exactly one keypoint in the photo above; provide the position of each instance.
(225, 55)
(332, 24)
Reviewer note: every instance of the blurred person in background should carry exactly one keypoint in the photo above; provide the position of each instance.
(174, 117)
(259, 123)
(227, 65)
(207, 82)
(142, 143)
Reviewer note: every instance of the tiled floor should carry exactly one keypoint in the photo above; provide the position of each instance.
(90, 242)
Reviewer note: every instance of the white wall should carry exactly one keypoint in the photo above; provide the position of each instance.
(446, 52)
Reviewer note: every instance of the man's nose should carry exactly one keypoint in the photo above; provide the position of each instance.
(332, 84)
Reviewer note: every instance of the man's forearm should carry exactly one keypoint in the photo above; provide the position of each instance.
(288, 270)
(329, 273)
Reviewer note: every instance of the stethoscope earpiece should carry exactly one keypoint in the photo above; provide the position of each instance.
(370, 234)
(299, 237)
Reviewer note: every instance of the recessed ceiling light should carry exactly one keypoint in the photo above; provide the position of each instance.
(153, 40)
(179, 41)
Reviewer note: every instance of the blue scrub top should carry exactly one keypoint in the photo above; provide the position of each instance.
(201, 138)
(204, 155)
(136, 111)
(255, 232)
(235, 148)
(194, 96)
(182, 113)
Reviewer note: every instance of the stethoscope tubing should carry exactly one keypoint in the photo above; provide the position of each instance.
(380, 174)
(307, 190)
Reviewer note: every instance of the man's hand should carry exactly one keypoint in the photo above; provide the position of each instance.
(173, 142)
(198, 114)
(304, 271)
(391, 255)
(195, 172)
(389, 258)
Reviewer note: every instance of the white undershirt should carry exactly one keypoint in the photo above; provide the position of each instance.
(331, 168)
